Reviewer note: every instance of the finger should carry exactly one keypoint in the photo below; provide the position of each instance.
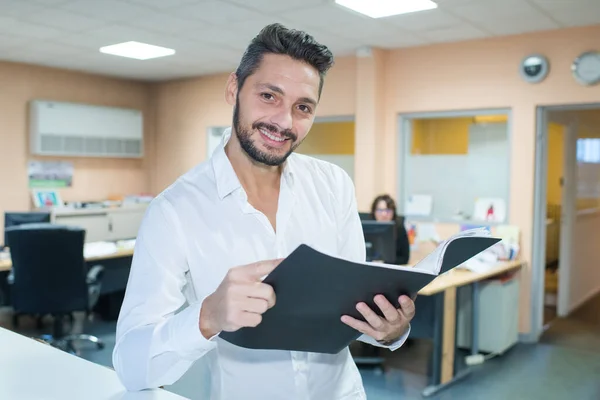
(361, 326)
(389, 311)
(373, 319)
(258, 270)
(407, 307)
(255, 290)
(250, 319)
(256, 306)
(264, 292)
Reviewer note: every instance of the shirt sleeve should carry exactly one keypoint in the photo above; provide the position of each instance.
(158, 336)
(351, 242)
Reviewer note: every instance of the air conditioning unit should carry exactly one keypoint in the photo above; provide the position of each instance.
(82, 130)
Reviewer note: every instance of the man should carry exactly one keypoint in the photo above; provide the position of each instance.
(208, 239)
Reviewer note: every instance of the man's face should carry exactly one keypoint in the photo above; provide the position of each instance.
(275, 108)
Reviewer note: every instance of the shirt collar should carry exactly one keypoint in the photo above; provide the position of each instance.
(226, 179)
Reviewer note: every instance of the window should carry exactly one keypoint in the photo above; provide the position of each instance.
(456, 168)
(588, 151)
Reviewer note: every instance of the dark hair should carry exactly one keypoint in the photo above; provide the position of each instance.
(277, 39)
(391, 204)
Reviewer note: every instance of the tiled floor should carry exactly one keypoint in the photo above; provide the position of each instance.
(565, 365)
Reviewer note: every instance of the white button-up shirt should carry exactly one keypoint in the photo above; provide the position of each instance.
(192, 234)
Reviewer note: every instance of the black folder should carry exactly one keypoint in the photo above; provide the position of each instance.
(313, 290)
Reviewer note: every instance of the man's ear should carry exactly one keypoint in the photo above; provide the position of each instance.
(231, 89)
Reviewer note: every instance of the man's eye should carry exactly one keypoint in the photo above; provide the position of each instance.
(305, 109)
(267, 96)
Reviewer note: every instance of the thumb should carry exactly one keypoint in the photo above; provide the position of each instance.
(258, 270)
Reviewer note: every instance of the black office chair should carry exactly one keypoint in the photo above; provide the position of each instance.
(50, 276)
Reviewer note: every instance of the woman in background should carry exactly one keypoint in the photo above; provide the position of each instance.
(384, 209)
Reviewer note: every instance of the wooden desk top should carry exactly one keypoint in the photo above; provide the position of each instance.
(6, 264)
(460, 277)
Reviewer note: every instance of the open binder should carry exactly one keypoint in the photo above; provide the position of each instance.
(314, 290)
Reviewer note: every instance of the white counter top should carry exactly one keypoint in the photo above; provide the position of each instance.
(30, 370)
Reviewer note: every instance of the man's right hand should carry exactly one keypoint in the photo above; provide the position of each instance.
(239, 301)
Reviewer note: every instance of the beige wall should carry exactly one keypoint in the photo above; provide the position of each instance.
(94, 178)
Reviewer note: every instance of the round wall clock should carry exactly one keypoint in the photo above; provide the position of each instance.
(586, 68)
(534, 68)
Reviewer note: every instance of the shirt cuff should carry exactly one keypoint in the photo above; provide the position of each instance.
(184, 336)
(393, 346)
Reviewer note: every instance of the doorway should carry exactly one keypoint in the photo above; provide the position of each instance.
(566, 214)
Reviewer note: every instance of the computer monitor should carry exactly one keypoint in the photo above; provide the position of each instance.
(380, 240)
(365, 216)
(21, 218)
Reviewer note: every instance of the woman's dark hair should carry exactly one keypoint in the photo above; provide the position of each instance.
(391, 204)
(277, 39)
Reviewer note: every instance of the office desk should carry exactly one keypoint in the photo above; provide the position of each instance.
(6, 264)
(442, 291)
(34, 370)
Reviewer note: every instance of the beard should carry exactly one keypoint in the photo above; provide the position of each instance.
(244, 136)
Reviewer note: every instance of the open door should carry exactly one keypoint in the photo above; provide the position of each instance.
(567, 218)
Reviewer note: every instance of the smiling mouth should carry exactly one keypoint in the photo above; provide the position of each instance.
(272, 136)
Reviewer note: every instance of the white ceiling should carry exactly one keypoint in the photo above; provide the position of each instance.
(210, 35)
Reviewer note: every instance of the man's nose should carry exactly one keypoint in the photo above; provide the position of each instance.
(283, 119)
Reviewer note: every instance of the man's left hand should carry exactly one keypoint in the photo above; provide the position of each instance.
(388, 329)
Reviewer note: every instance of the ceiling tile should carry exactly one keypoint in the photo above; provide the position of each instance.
(518, 25)
(161, 22)
(17, 8)
(483, 11)
(62, 19)
(48, 49)
(222, 36)
(454, 34)
(85, 41)
(163, 4)
(195, 49)
(564, 4)
(254, 25)
(216, 12)
(277, 6)
(109, 10)
(395, 41)
(13, 26)
(9, 42)
(342, 22)
(570, 17)
(451, 4)
(573, 12)
(49, 2)
(118, 33)
(425, 20)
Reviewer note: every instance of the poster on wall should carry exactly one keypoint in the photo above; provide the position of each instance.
(50, 174)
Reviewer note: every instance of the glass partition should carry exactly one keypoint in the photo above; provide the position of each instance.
(455, 167)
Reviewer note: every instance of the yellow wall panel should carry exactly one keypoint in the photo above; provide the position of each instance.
(446, 135)
(555, 162)
(329, 138)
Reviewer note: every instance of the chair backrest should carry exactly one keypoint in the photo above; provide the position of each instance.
(49, 268)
